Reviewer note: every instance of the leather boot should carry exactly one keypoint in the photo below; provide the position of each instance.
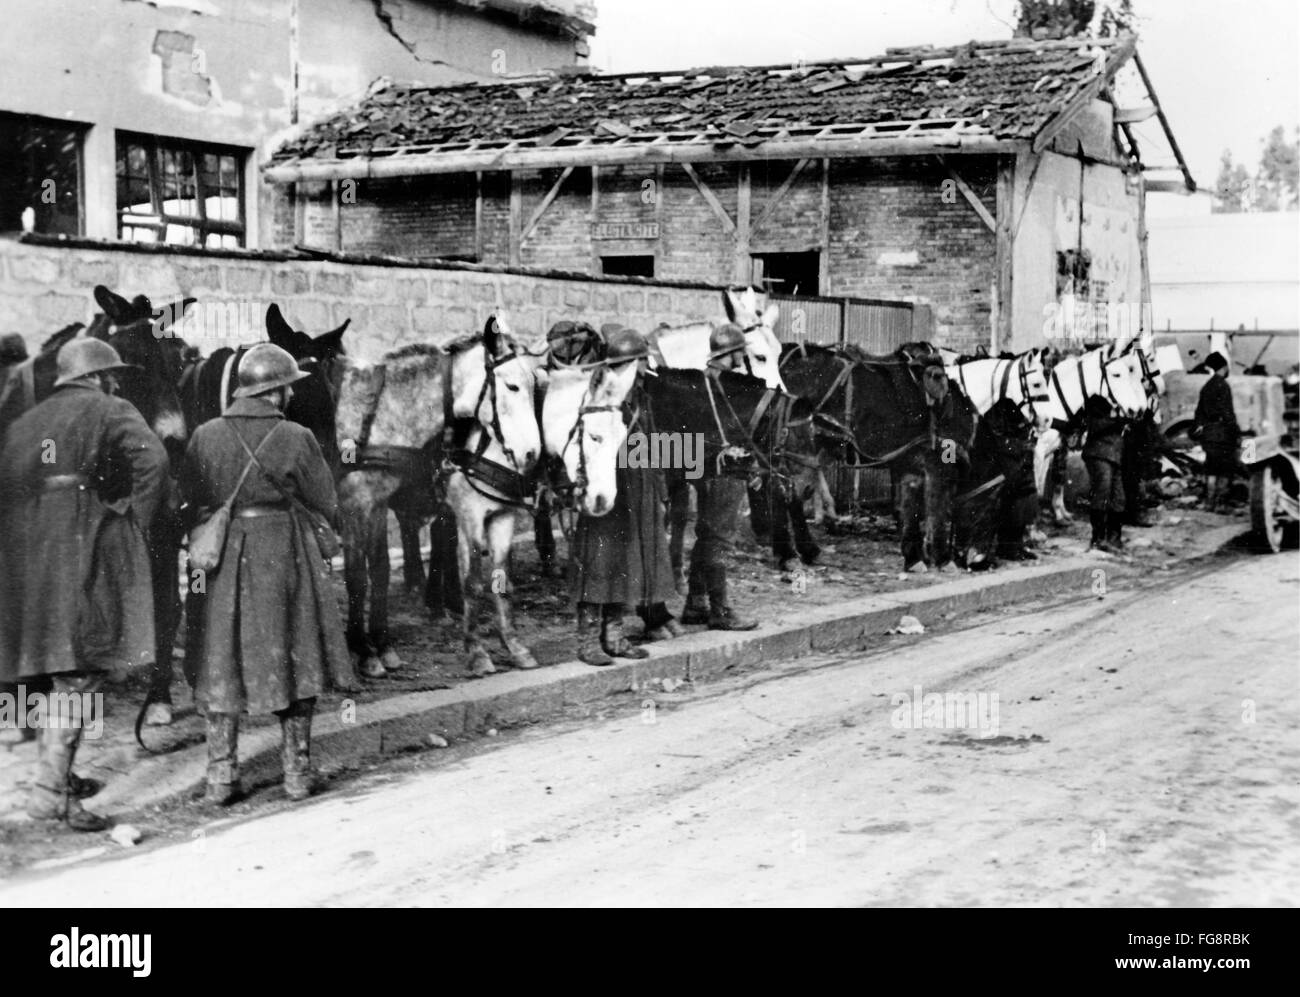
(51, 796)
(1115, 532)
(696, 611)
(300, 780)
(723, 617)
(589, 649)
(223, 758)
(1100, 540)
(612, 640)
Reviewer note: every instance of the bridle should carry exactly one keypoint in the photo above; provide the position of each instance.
(1082, 365)
(1000, 384)
(489, 393)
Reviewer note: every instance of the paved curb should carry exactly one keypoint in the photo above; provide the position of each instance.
(404, 723)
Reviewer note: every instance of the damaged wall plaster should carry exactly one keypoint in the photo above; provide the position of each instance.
(181, 67)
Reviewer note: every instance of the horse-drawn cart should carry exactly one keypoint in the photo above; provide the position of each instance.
(1273, 462)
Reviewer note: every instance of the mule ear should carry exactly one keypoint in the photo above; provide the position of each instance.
(770, 315)
(329, 344)
(729, 303)
(491, 336)
(116, 307)
(277, 328)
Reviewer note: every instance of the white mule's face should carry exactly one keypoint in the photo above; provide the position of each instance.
(514, 382)
(763, 350)
(1125, 386)
(591, 401)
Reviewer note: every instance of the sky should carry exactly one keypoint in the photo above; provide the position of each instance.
(1225, 71)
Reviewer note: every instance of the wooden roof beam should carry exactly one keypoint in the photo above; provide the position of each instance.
(1164, 123)
(360, 167)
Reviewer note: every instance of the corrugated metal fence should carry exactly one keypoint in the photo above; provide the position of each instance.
(874, 325)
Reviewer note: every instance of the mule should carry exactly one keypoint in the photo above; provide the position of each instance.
(687, 348)
(886, 411)
(389, 416)
(1108, 371)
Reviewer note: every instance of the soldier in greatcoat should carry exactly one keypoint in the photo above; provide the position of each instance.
(621, 559)
(271, 631)
(1103, 456)
(718, 512)
(80, 477)
(1216, 426)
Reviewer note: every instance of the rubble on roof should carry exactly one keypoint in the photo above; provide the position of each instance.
(1008, 90)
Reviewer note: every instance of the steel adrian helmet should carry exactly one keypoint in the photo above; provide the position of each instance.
(568, 341)
(725, 340)
(625, 344)
(84, 356)
(266, 367)
(12, 348)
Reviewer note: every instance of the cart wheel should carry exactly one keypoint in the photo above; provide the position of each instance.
(1273, 531)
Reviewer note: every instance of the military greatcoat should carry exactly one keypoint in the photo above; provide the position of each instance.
(271, 629)
(81, 475)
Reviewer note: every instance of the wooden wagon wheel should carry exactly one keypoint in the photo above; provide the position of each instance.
(1273, 528)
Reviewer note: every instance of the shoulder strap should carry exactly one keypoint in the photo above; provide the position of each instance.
(252, 459)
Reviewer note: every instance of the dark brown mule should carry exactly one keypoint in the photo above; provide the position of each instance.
(889, 411)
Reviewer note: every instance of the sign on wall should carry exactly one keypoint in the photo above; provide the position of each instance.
(625, 230)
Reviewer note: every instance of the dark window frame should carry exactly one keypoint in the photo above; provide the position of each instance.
(78, 131)
(160, 151)
(650, 257)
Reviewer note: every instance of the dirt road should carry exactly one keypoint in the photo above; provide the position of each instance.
(1143, 749)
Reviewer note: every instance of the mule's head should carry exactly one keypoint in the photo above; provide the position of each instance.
(582, 418)
(747, 308)
(493, 382)
(315, 398)
(143, 337)
(1122, 383)
(1035, 401)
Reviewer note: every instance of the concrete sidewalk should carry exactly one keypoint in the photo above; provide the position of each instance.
(347, 733)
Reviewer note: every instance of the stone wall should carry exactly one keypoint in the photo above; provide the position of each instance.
(44, 287)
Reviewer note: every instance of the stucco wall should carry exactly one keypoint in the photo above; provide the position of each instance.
(1050, 222)
(219, 71)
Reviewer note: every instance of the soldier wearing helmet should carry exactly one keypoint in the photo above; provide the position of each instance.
(81, 475)
(718, 510)
(621, 559)
(270, 627)
(572, 343)
(727, 347)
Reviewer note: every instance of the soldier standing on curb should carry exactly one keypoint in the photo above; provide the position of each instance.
(1103, 455)
(80, 477)
(271, 631)
(718, 508)
(621, 558)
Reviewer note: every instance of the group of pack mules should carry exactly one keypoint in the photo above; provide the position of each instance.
(455, 434)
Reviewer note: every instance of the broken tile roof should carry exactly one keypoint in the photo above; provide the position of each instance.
(1005, 90)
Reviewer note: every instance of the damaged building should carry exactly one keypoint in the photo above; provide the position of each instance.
(999, 183)
(147, 120)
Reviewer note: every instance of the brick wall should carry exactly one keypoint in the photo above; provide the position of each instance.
(43, 288)
(896, 206)
(881, 210)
